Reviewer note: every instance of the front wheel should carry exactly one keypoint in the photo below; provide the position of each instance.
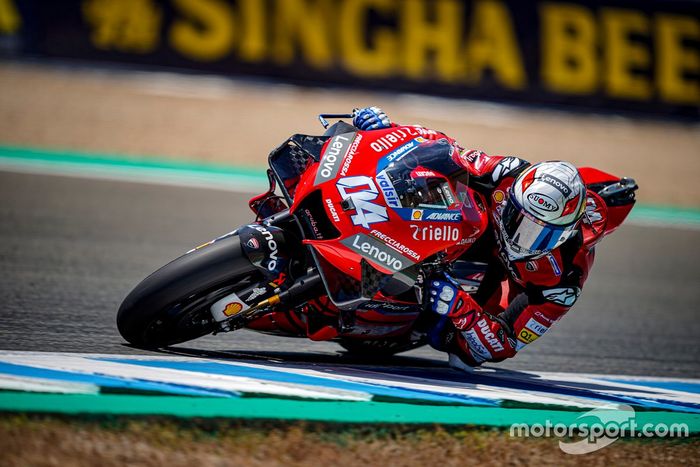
(172, 304)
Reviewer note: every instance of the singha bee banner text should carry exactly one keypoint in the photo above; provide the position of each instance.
(602, 55)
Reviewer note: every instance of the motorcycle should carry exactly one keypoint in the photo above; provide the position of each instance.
(352, 227)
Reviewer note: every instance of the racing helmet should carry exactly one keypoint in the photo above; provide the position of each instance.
(542, 210)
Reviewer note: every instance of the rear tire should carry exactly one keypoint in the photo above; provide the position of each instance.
(172, 304)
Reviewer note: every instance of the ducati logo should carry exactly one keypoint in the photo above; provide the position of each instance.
(253, 243)
(489, 335)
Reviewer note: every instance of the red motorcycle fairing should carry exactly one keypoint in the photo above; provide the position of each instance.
(373, 319)
(366, 243)
(379, 212)
(616, 193)
(351, 183)
(382, 318)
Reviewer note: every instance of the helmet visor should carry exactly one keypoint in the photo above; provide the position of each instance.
(528, 236)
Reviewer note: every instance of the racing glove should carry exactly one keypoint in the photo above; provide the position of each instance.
(464, 329)
(370, 118)
(448, 299)
(451, 304)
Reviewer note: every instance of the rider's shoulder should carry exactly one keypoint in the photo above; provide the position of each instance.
(490, 171)
(546, 271)
(506, 166)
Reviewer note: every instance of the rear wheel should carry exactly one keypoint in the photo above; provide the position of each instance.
(172, 304)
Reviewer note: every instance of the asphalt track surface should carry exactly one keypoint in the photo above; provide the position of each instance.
(72, 248)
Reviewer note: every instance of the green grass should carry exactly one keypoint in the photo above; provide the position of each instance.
(107, 441)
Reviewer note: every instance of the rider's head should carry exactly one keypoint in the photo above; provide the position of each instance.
(542, 210)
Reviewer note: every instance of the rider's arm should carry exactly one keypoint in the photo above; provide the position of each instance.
(495, 338)
(485, 171)
(477, 336)
(374, 118)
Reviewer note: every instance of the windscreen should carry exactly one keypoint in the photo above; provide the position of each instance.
(422, 177)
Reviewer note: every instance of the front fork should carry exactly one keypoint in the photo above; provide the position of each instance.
(237, 309)
(266, 245)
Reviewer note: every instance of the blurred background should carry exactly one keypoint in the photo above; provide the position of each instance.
(613, 84)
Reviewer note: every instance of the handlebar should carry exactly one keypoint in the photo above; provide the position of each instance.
(322, 118)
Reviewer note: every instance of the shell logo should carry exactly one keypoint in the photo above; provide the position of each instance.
(232, 309)
(417, 214)
(499, 196)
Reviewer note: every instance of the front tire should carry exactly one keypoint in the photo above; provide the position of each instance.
(172, 304)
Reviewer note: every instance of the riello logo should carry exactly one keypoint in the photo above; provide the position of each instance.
(431, 233)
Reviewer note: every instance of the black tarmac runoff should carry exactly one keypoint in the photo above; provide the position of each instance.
(72, 248)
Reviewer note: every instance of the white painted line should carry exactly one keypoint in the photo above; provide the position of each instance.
(480, 391)
(30, 384)
(83, 365)
(615, 388)
(596, 385)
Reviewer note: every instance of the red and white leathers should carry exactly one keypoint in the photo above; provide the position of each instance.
(518, 301)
